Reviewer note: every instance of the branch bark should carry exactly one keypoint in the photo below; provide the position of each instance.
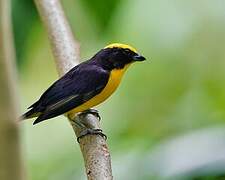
(10, 154)
(66, 52)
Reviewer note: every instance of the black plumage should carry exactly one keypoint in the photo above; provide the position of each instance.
(80, 84)
(77, 86)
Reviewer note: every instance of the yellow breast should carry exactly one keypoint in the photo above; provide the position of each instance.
(113, 82)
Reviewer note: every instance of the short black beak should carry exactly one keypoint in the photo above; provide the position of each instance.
(138, 58)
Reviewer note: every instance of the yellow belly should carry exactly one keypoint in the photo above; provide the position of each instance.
(111, 86)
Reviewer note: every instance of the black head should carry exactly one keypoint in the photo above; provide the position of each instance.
(117, 56)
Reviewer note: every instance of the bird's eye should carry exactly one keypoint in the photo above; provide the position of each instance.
(127, 51)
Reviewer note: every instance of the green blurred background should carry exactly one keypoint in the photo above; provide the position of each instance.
(166, 121)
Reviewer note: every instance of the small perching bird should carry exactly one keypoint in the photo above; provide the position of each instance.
(85, 85)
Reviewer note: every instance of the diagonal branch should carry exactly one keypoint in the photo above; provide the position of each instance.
(66, 51)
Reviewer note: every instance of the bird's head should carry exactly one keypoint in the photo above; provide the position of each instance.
(117, 55)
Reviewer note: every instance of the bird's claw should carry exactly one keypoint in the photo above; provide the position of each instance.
(91, 132)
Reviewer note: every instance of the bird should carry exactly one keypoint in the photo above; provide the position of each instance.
(85, 85)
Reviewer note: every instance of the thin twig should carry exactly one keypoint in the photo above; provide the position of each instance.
(66, 51)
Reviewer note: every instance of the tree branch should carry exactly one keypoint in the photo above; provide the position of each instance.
(66, 51)
(10, 154)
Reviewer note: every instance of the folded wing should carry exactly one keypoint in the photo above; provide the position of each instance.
(79, 85)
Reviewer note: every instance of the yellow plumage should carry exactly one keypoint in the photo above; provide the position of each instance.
(114, 81)
(86, 85)
(123, 46)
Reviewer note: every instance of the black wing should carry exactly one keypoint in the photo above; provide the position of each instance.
(73, 89)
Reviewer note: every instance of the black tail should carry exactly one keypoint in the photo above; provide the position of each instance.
(35, 111)
(30, 114)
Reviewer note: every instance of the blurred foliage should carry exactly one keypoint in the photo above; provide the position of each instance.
(101, 11)
(24, 15)
(178, 91)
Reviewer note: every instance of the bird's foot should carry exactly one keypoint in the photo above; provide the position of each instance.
(91, 132)
(91, 111)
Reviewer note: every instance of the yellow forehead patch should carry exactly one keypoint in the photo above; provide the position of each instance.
(119, 45)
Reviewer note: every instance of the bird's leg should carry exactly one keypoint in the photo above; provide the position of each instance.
(86, 121)
(91, 111)
(91, 132)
